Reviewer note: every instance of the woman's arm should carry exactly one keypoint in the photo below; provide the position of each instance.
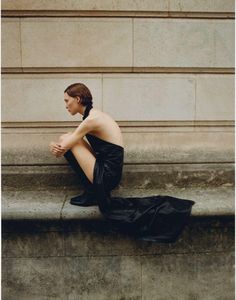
(72, 139)
(69, 140)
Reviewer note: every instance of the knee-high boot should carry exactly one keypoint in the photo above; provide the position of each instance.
(87, 198)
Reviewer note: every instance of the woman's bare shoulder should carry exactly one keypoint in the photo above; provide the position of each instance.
(99, 116)
(104, 126)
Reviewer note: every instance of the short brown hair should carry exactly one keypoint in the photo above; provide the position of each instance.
(81, 90)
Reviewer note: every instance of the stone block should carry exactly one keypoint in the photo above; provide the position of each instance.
(199, 236)
(11, 44)
(31, 205)
(183, 43)
(72, 212)
(41, 97)
(116, 5)
(72, 278)
(96, 239)
(140, 147)
(146, 176)
(197, 276)
(178, 147)
(201, 5)
(170, 175)
(76, 42)
(215, 97)
(149, 97)
(209, 202)
(31, 243)
(103, 278)
(33, 278)
(109, 5)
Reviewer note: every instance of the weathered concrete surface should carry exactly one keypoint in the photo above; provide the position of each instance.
(134, 176)
(123, 5)
(197, 276)
(72, 278)
(100, 267)
(76, 256)
(54, 204)
(209, 201)
(208, 276)
(32, 205)
(28, 238)
(32, 148)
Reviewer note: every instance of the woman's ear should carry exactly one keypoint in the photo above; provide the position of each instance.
(78, 99)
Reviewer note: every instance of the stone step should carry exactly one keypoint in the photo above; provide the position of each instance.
(185, 145)
(71, 254)
(54, 204)
(147, 176)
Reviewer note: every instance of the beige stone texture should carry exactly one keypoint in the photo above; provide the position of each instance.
(148, 5)
(76, 42)
(183, 43)
(156, 43)
(47, 206)
(202, 5)
(126, 97)
(30, 147)
(215, 97)
(150, 97)
(41, 97)
(11, 48)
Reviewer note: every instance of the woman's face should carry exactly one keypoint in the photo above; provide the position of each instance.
(72, 104)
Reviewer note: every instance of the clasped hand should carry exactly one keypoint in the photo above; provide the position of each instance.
(56, 149)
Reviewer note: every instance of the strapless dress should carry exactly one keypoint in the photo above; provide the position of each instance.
(154, 218)
(157, 218)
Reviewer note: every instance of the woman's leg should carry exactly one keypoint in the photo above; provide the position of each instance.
(84, 156)
(89, 196)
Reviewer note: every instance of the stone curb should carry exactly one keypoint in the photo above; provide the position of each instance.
(54, 204)
(148, 176)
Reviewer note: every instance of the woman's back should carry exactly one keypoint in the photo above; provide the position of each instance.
(105, 127)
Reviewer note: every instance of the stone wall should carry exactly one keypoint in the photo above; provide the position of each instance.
(146, 62)
(164, 70)
(86, 262)
(123, 53)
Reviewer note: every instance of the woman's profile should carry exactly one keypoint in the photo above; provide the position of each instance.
(99, 164)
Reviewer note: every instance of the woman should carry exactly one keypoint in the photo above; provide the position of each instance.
(99, 165)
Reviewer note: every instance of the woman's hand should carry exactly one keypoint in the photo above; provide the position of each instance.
(56, 149)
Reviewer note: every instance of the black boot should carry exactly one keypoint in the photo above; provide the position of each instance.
(85, 199)
(88, 198)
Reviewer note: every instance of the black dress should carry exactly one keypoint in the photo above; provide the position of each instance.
(153, 218)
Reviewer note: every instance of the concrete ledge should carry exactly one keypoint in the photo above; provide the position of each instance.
(54, 204)
(118, 14)
(182, 146)
(146, 176)
(71, 254)
(125, 6)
